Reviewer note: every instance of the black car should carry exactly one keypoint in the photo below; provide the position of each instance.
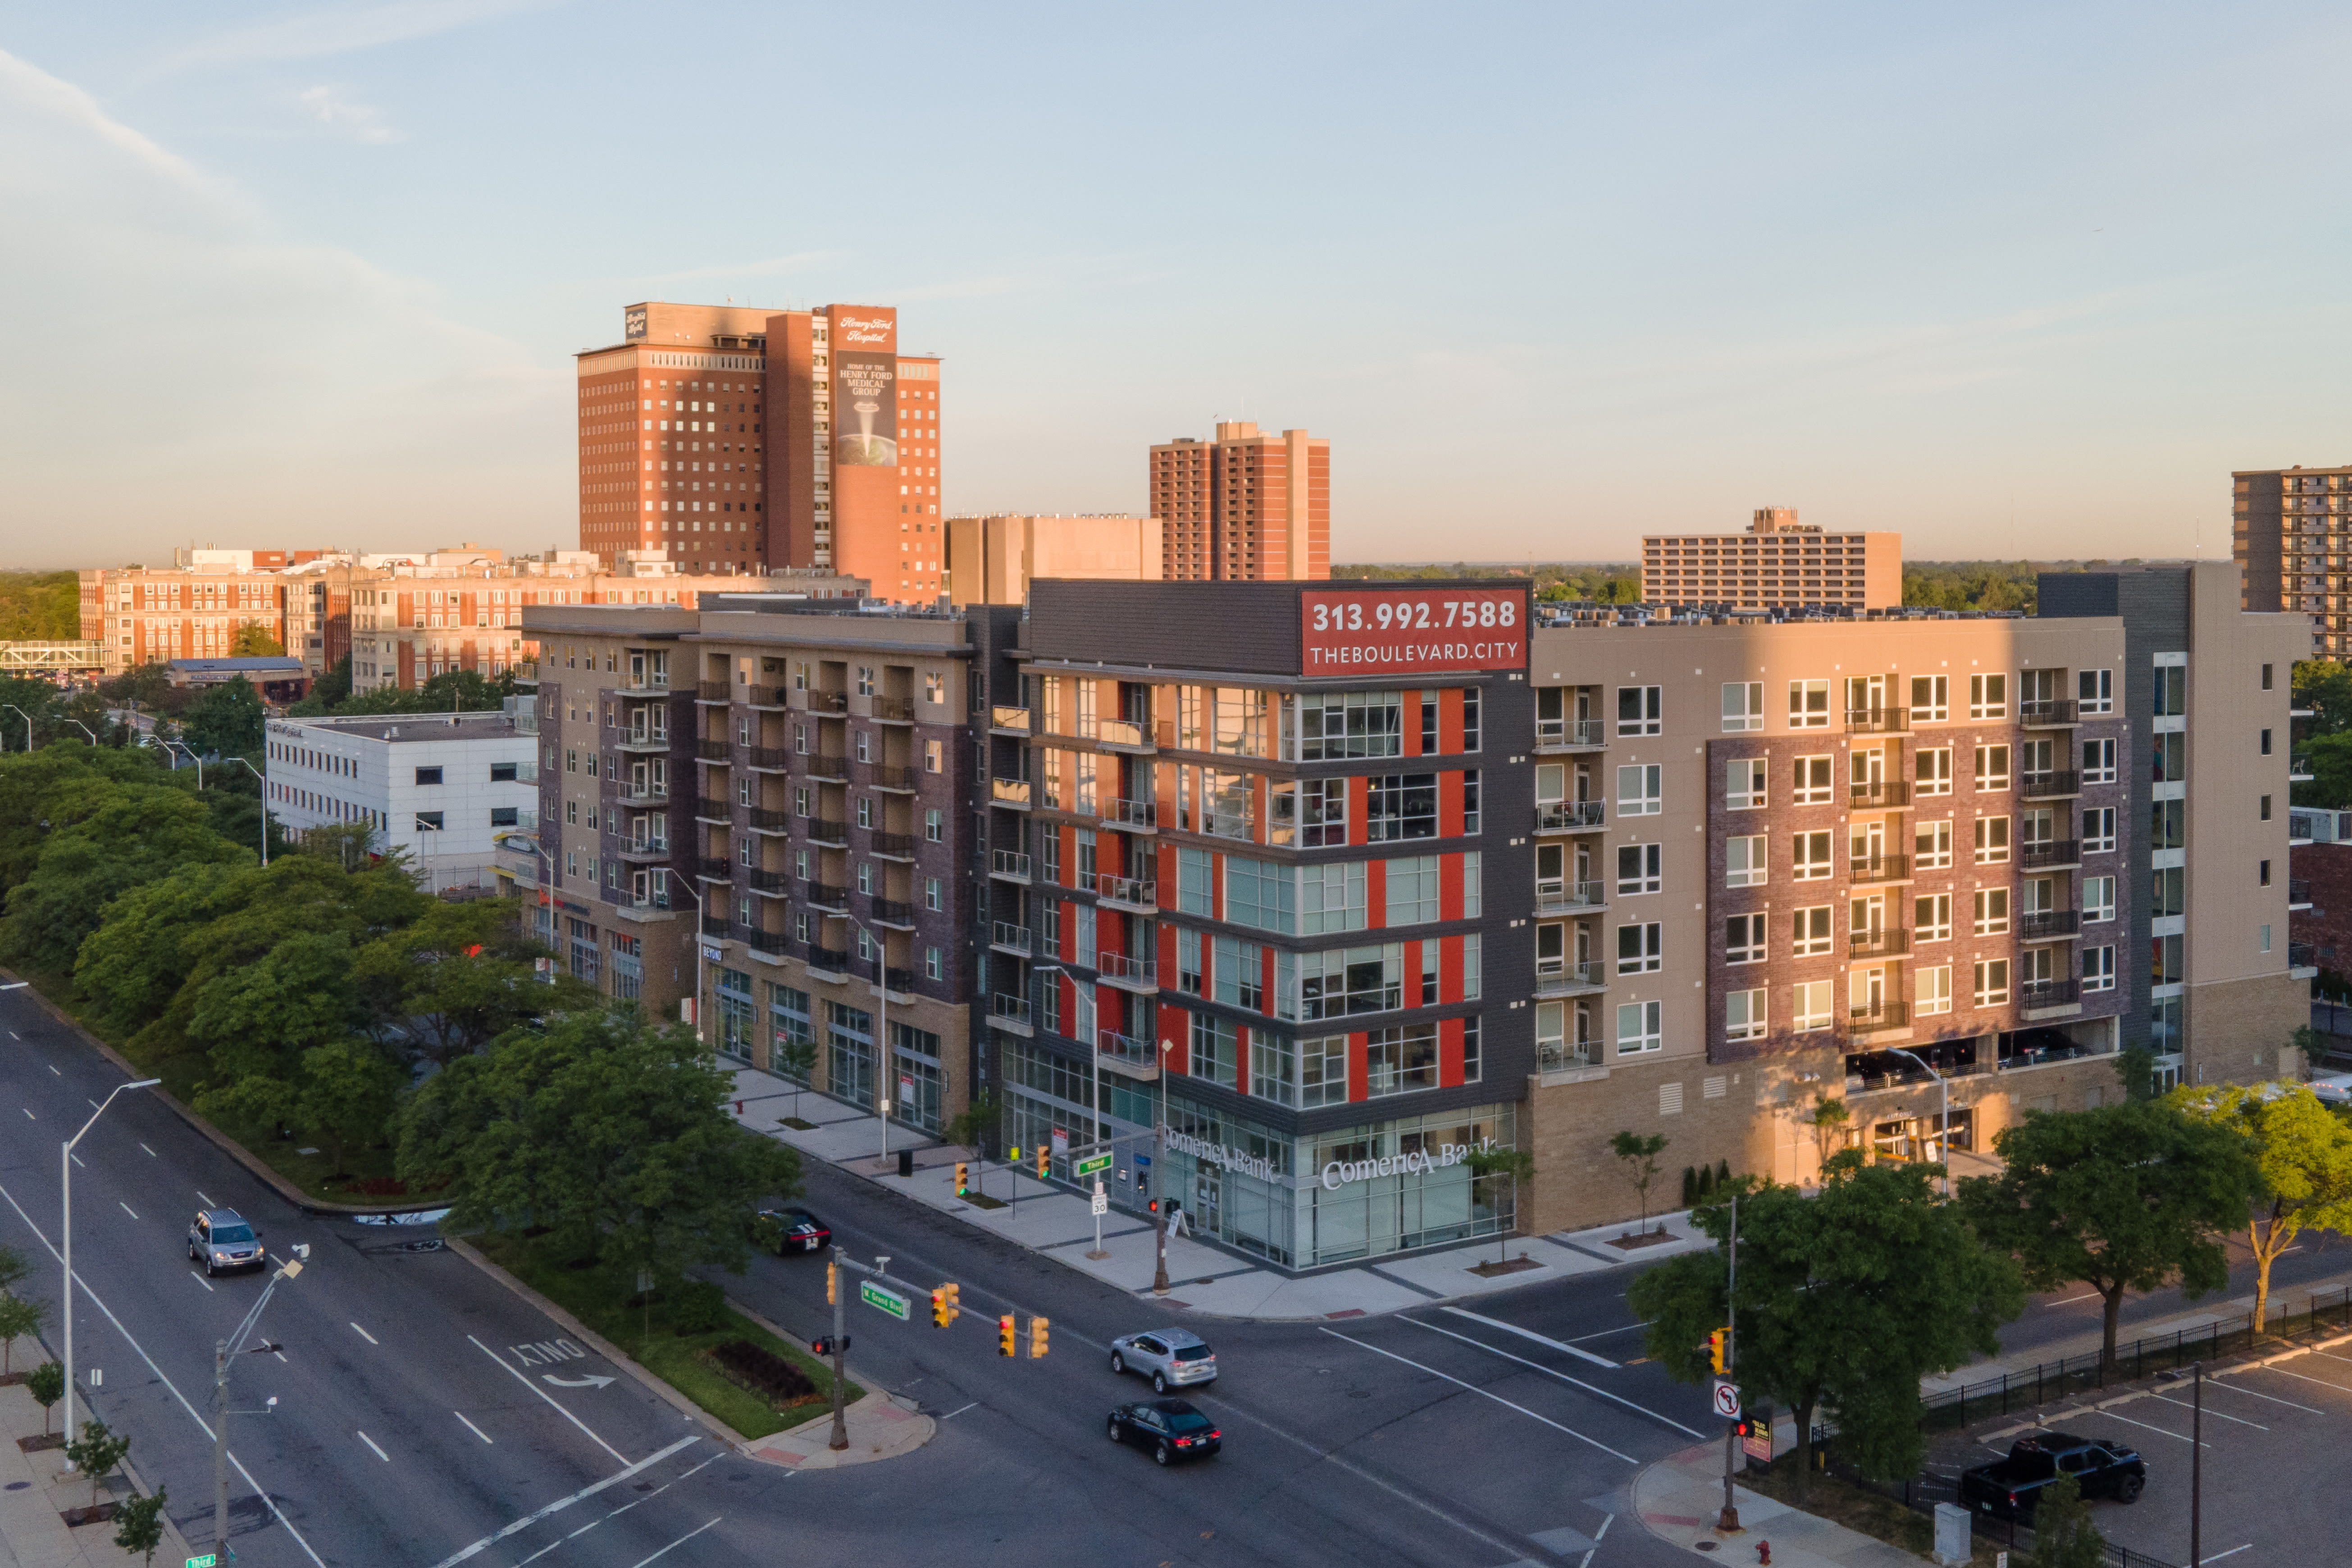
(791, 1230)
(2012, 1488)
(1170, 1428)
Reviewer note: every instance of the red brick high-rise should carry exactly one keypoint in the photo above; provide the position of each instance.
(1244, 506)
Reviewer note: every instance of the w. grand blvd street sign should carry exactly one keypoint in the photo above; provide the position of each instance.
(882, 1298)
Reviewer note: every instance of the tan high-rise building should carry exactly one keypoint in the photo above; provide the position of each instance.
(992, 560)
(1778, 563)
(1244, 506)
(738, 438)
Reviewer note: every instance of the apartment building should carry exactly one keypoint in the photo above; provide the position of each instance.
(150, 615)
(739, 439)
(1778, 563)
(442, 786)
(1244, 506)
(992, 560)
(2288, 536)
(761, 803)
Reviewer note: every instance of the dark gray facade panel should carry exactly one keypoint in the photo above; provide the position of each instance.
(1244, 628)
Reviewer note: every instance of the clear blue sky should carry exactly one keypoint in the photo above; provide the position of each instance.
(2012, 279)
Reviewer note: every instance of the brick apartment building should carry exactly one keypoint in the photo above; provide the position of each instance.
(1244, 506)
(1778, 563)
(2289, 531)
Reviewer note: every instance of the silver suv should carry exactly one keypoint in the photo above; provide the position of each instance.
(219, 1238)
(1170, 1358)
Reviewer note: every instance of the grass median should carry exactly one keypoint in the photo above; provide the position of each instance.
(604, 1300)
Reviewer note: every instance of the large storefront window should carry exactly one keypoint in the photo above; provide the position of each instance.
(921, 1081)
(735, 1013)
(849, 1037)
(792, 1052)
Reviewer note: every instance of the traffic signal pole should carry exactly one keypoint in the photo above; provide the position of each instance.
(1729, 1522)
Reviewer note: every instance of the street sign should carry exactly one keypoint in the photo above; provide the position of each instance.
(1101, 1204)
(207, 1561)
(1090, 1165)
(1726, 1401)
(885, 1300)
(1061, 1144)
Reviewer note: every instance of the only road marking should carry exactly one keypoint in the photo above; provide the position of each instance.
(127, 1209)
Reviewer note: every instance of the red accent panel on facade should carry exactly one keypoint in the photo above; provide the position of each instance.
(1175, 1027)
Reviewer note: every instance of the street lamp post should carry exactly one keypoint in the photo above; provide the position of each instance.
(256, 773)
(65, 1163)
(27, 718)
(85, 729)
(881, 1033)
(224, 1351)
(1160, 1174)
(1944, 1126)
(182, 746)
(1094, 1060)
(541, 850)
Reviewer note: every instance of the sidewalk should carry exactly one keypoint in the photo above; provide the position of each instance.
(879, 1427)
(35, 1487)
(1678, 1499)
(1054, 1221)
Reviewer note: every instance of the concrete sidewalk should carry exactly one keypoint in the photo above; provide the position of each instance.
(1678, 1499)
(35, 1488)
(879, 1427)
(1204, 1278)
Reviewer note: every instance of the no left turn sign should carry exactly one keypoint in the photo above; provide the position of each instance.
(1726, 1401)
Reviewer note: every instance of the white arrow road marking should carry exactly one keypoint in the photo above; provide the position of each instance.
(519, 1377)
(591, 1381)
(378, 1452)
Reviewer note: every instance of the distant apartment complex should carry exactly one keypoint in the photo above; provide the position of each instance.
(740, 439)
(2290, 531)
(1244, 506)
(992, 560)
(1778, 563)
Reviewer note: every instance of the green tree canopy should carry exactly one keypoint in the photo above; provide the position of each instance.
(2303, 1155)
(226, 720)
(458, 977)
(2324, 685)
(104, 839)
(253, 640)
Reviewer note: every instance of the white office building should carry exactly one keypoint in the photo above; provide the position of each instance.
(440, 786)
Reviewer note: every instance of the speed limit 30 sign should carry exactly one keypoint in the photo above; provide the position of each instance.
(1726, 1401)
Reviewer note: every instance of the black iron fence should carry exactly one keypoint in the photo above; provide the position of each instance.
(1920, 1494)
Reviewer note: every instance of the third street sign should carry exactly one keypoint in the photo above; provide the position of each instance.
(1090, 1165)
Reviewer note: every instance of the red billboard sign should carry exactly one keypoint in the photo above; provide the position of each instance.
(1379, 631)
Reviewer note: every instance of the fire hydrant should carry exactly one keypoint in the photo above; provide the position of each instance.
(1763, 1552)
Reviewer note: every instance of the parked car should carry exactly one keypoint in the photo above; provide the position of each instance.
(2010, 1487)
(793, 1230)
(1170, 1428)
(220, 1239)
(2333, 1089)
(1170, 1358)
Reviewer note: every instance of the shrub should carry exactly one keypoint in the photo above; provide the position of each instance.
(762, 1371)
(696, 1307)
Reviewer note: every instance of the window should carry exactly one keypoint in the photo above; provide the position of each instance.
(2167, 892)
(1469, 720)
(2099, 761)
(1189, 974)
(865, 810)
(865, 680)
(1332, 899)
(1932, 990)
(1991, 918)
(1992, 982)
(2266, 678)
(1350, 980)
(1992, 840)
(1930, 699)
(2263, 746)
(1473, 967)
(1214, 1053)
(2168, 826)
(2265, 809)
(1743, 940)
(1809, 856)
(1274, 1067)
(1931, 844)
(1992, 768)
(1638, 868)
(2098, 830)
(1474, 884)
(1335, 724)
(934, 825)
(571, 812)
(2098, 969)
(1808, 704)
(935, 687)
(2171, 691)
(931, 893)
(1639, 948)
(2096, 688)
(1400, 805)
(1743, 705)
(935, 758)
(1470, 802)
(1744, 1015)
(1260, 893)
(2168, 759)
(2265, 938)
(1931, 917)
(503, 773)
(1312, 813)
(506, 816)
(1746, 862)
(1241, 974)
(1323, 1072)
(1401, 1061)
(428, 775)
(1473, 1053)
(2167, 960)
(2099, 896)
(1813, 783)
(1811, 929)
(1194, 888)
(1810, 1003)
(1638, 710)
(1412, 889)
(2262, 874)
(1638, 1028)
(1935, 770)
(1743, 784)
(1988, 696)
(1638, 790)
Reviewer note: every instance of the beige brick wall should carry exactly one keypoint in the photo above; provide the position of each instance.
(2240, 1030)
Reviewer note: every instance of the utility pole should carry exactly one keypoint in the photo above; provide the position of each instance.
(1729, 1522)
(2197, 1465)
(840, 1438)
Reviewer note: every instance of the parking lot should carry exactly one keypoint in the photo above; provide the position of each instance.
(2272, 1461)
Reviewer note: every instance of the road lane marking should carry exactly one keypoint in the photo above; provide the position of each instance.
(200, 1279)
(698, 1531)
(95, 1105)
(960, 1410)
(535, 1388)
(363, 1333)
(477, 1431)
(127, 1208)
(29, 1116)
(1484, 1394)
(1602, 1534)
(2217, 1414)
(208, 1203)
(77, 1159)
(1531, 1334)
(583, 1530)
(202, 1424)
(2072, 1299)
(2216, 1556)
(2215, 1381)
(59, 1074)
(2129, 1422)
(560, 1504)
(2304, 1377)
(151, 1153)
(1548, 1372)
(378, 1452)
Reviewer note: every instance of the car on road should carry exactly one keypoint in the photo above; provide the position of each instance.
(1170, 1428)
(793, 1230)
(220, 1239)
(2334, 1089)
(2012, 1488)
(1170, 1358)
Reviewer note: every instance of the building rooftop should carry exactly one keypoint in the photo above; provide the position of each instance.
(409, 727)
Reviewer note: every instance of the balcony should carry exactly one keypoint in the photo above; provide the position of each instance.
(1557, 977)
(891, 776)
(642, 794)
(1128, 892)
(1877, 721)
(894, 710)
(643, 739)
(1139, 974)
(1009, 864)
(1888, 942)
(2301, 959)
(2053, 713)
(763, 820)
(711, 869)
(1229, 825)
(827, 704)
(1572, 734)
(827, 832)
(1571, 816)
(2050, 854)
(1126, 1056)
(826, 897)
(898, 984)
(646, 851)
(826, 963)
(643, 690)
(767, 759)
(716, 691)
(770, 697)
(2298, 893)
(1010, 1013)
(1879, 795)
(768, 944)
(2049, 925)
(1011, 794)
(710, 751)
(2056, 784)
(1560, 896)
(1879, 868)
(775, 884)
(1006, 937)
(1558, 1061)
(708, 810)
(2298, 768)
(825, 767)
(1013, 721)
(896, 913)
(1876, 1017)
(891, 846)
(1130, 816)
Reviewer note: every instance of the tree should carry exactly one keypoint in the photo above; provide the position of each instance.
(2302, 1153)
(1830, 1116)
(2136, 1066)
(2330, 759)
(2063, 1535)
(2121, 1197)
(460, 975)
(104, 839)
(97, 1453)
(2315, 1047)
(1847, 1297)
(2324, 685)
(19, 1318)
(139, 1524)
(1641, 1157)
(797, 1058)
(226, 720)
(252, 640)
(13, 1268)
(348, 1094)
(46, 1384)
(1514, 1166)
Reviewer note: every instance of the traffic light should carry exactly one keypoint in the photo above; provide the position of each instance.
(1045, 1157)
(939, 1308)
(832, 1282)
(955, 1301)
(963, 1178)
(1036, 1338)
(1715, 1342)
(1004, 1335)
(826, 1345)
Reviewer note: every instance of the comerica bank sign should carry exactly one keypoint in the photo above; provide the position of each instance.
(1337, 1173)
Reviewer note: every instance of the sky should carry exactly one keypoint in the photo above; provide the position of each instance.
(2016, 281)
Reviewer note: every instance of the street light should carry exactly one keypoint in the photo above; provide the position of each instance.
(1094, 1048)
(65, 1163)
(223, 1351)
(881, 1032)
(1160, 1174)
(183, 746)
(85, 729)
(27, 718)
(514, 836)
(1944, 1126)
(257, 773)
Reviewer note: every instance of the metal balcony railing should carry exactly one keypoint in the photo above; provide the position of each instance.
(825, 896)
(2298, 890)
(894, 777)
(895, 709)
(1116, 813)
(711, 751)
(2052, 785)
(2302, 955)
(768, 820)
(1124, 1047)
(826, 766)
(2043, 854)
(2048, 713)
(1878, 795)
(1118, 966)
(831, 960)
(1556, 894)
(1869, 1017)
(773, 758)
(2049, 993)
(1228, 825)
(1562, 1055)
(1887, 941)
(712, 691)
(1587, 732)
(1015, 1009)
(1009, 863)
(713, 810)
(1016, 938)
(826, 831)
(1133, 891)
(834, 703)
(769, 882)
(1559, 976)
(2041, 925)
(1879, 868)
(1015, 720)
(1013, 792)
(1878, 720)
(713, 869)
(892, 845)
(1570, 816)
(894, 912)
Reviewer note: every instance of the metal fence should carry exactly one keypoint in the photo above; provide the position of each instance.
(1922, 1493)
(2045, 1380)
